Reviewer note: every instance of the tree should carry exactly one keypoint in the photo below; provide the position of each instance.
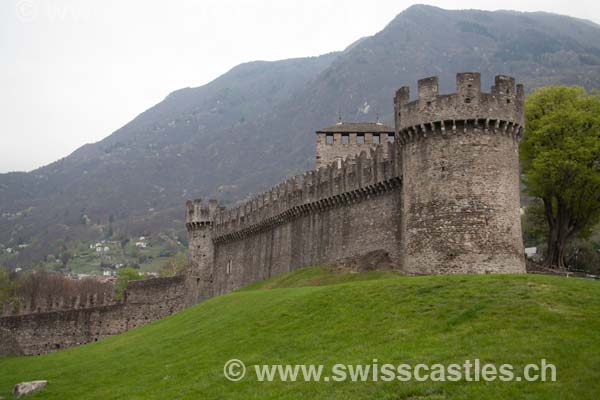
(534, 224)
(65, 257)
(584, 255)
(580, 254)
(560, 155)
(133, 252)
(174, 266)
(64, 254)
(37, 287)
(110, 232)
(7, 286)
(123, 277)
(124, 242)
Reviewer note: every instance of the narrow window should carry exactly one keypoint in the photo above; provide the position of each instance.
(329, 139)
(345, 139)
(375, 139)
(228, 271)
(360, 138)
(467, 100)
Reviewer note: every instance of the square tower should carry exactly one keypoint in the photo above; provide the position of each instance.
(346, 139)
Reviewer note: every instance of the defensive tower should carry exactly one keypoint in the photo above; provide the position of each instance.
(461, 177)
(346, 139)
(200, 274)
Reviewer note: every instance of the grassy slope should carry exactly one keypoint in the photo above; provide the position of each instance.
(499, 319)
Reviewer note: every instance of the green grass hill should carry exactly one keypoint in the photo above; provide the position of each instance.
(319, 316)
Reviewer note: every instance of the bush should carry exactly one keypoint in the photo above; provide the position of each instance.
(123, 277)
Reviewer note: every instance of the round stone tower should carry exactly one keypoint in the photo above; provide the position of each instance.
(461, 177)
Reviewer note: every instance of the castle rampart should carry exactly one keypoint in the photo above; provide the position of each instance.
(317, 190)
(308, 219)
(61, 327)
(57, 303)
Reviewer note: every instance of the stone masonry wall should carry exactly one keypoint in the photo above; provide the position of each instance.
(462, 209)
(313, 238)
(39, 333)
(199, 275)
(460, 157)
(338, 211)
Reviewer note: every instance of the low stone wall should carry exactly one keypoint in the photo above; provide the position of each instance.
(38, 333)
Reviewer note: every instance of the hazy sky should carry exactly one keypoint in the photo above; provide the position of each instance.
(73, 71)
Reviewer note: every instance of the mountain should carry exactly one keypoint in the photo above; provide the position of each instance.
(255, 124)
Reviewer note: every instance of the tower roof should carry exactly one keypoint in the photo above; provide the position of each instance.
(357, 127)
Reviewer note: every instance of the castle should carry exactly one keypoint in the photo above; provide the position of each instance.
(438, 194)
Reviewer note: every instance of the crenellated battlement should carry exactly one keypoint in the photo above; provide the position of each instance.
(355, 178)
(499, 111)
(199, 215)
(58, 303)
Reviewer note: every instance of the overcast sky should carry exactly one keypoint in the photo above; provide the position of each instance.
(74, 71)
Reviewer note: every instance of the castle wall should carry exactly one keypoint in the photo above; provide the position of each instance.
(345, 209)
(318, 237)
(55, 303)
(43, 332)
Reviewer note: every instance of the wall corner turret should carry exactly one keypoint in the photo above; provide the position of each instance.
(200, 220)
